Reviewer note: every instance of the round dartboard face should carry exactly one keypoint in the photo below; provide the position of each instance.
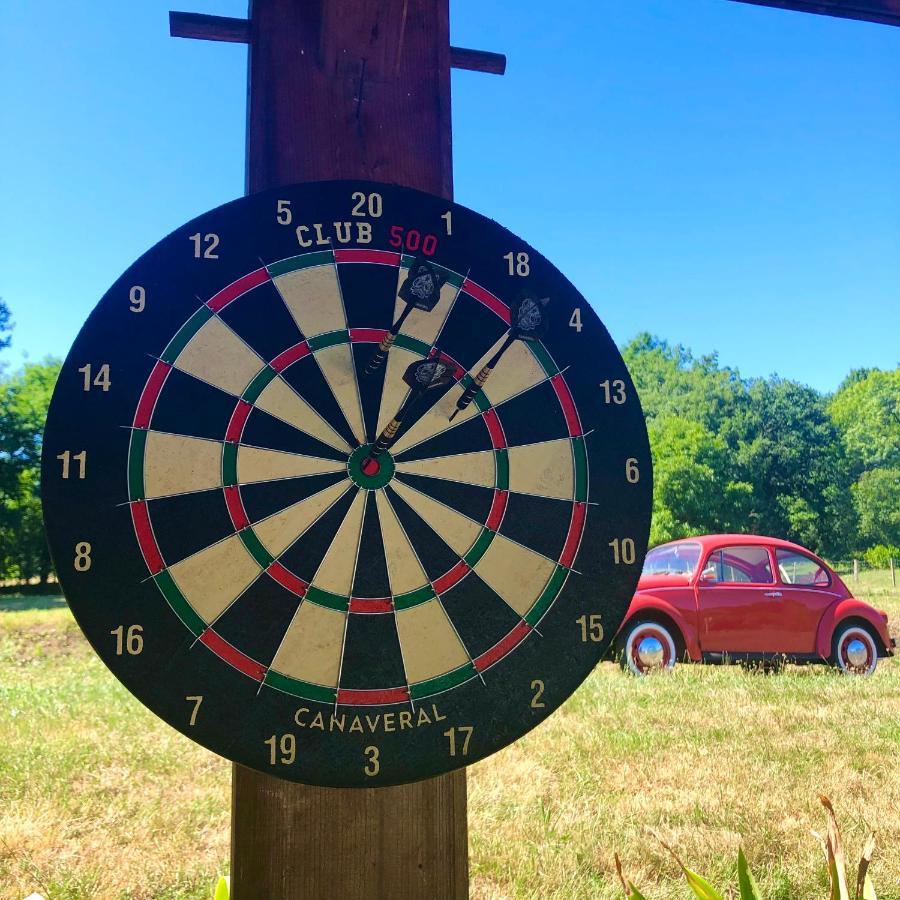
(347, 483)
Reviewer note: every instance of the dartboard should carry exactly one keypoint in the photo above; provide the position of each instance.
(347, 483)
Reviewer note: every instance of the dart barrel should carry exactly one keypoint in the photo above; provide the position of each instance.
(385, 438)
(377, 360)
(470, 392)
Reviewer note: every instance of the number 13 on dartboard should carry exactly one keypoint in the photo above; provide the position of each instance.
(355, 509)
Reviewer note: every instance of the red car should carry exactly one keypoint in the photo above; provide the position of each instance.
(747, 598)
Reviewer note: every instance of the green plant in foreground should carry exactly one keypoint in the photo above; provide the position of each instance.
(749, 890)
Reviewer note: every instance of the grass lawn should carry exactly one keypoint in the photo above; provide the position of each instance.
(99, 799)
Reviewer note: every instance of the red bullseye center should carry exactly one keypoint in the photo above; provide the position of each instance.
(370, 466)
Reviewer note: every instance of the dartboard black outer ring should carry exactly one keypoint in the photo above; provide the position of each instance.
(102, 530)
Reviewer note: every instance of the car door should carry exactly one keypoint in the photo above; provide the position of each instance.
(737, 597)
(807, 591)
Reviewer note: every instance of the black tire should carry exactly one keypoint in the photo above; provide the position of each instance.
(849, 642)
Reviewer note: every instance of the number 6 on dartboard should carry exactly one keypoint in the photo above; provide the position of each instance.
(357, 494)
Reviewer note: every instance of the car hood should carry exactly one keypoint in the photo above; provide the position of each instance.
(653, 582)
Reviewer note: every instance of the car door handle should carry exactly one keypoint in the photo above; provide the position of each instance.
(772, 594)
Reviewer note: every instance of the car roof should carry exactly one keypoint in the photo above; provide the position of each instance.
(708, 541)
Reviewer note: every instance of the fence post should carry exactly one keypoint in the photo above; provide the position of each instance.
(893, 573)
(856, 570)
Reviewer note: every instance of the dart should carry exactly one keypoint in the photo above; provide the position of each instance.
(420, 290)
(528, 323)
(421, 376)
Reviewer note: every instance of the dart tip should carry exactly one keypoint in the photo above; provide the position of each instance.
(453, 415)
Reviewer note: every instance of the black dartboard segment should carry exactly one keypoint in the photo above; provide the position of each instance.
(305, 548)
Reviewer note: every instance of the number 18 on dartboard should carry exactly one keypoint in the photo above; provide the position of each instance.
(347, 483)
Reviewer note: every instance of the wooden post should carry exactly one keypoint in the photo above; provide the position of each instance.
(893, 574)
(856, 570)
(347, 89)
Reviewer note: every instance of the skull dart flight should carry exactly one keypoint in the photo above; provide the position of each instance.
(421, 376)
(528, 322)
(420, 290)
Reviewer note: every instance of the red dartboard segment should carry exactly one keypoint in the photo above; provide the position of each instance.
(289, 356)
(368, 335)
(568, 404)
(237, 421)
(573, 538)
(373, 697)
(236, 507)
(370, 605)
(234, 290)
(140, 517)
(352, 597)
(482, 295)
(498, 508)
(454, 576)
(287, 579)
(503, 647)
(232, 655)
(152, 388)
(495, 429)
(380, 257)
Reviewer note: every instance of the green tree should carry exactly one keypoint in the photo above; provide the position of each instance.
(877, 498)
(790, 451)
(867, 412)
(24, 400)
(671, 381)
(692, 492)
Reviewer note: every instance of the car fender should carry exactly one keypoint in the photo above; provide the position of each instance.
(850, 608)
(650, 603)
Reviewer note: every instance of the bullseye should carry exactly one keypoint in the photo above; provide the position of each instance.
(370, 467)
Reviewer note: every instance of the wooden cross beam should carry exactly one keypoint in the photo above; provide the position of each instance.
(884, 12)
(237, 31)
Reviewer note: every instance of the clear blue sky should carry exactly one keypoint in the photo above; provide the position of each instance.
(723, 175)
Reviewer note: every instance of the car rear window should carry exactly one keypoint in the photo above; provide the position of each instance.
(738, 565)
(797, 568)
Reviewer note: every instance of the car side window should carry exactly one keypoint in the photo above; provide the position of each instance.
(797, 568)
(737, 565)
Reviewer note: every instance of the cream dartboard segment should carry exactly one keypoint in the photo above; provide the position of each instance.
(364, 480)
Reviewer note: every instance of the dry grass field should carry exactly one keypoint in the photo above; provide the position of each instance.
(98, 799)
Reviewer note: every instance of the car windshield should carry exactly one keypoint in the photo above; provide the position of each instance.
(672, 559)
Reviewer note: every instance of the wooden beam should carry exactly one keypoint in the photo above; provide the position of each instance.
(209, 28)
(237, 31)
(884, 12)
(348, 89)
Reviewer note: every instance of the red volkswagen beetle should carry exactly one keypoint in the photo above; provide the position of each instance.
(747, 598)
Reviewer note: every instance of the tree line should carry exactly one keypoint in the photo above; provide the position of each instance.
(730, 454)
(769, 455)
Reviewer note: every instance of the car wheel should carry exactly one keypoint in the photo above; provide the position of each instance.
(854, 651)
(646, 647)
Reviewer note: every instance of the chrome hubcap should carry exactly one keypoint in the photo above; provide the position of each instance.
(650, 652)
(857, 653)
